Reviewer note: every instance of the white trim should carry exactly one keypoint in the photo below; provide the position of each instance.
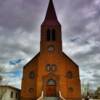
(61, 96)
(41, 97)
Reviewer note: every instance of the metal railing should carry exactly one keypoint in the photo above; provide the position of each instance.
(42, 96)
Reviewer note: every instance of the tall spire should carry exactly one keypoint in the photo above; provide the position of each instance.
(50, 17)
(51, 14)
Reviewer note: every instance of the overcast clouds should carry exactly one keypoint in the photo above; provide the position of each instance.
(20, 22)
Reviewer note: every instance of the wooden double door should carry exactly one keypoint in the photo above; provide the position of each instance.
(51, 88)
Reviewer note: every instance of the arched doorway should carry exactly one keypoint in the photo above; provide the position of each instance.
(50, 89)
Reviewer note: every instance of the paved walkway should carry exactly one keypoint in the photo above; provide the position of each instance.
(51, 98)
(92, 99)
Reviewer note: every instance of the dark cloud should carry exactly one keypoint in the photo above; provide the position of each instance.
(96, 76)
(19, 14)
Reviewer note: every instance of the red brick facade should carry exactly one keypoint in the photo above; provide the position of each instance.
(51, 71)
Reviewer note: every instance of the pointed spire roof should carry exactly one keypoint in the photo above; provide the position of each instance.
(51, 14)
(50, 17)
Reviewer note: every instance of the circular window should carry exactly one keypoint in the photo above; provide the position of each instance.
(31, 75)
(70, 75)
(70, 89)
(51, 48)
(31, 90)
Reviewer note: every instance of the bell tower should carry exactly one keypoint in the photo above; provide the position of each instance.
(51, 31)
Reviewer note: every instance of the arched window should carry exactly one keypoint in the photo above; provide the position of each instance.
(51, 67)
(53, 35)
(11, 95)
(31, 75)
(48, 35)
(48, 67)
(51, 82)
(16, 95)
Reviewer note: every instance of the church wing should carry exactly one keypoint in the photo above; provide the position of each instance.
(29, 78)
(69, 59)
(72, 67)
(32, 61)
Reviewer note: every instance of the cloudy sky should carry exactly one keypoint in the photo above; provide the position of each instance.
(20, 22)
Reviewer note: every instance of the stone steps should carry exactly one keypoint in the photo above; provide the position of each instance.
(51, 98)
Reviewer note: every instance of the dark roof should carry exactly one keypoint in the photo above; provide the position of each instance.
(51, 17)
(70, 59)
(35, 57)
(11, 87)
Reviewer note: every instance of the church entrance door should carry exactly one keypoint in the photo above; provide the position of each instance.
(51, 88)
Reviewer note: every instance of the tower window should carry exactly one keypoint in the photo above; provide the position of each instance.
(51, 35)
(48, 35)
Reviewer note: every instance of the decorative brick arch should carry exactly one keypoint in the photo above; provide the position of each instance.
(51, 89)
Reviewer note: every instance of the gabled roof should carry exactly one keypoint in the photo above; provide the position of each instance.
(34, 58)
(70, 59)
(9, 87)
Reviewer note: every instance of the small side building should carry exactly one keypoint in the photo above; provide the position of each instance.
(9, 93)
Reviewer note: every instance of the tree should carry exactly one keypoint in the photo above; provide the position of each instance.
(1, 70)
(1, 79)
(97, 93)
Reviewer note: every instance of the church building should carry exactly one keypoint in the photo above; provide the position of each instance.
(51, 73)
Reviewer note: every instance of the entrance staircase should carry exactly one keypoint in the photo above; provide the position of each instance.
(51, 98)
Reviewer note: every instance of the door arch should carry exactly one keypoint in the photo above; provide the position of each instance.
(51, 82)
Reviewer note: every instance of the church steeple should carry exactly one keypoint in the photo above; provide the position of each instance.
(51, 31)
